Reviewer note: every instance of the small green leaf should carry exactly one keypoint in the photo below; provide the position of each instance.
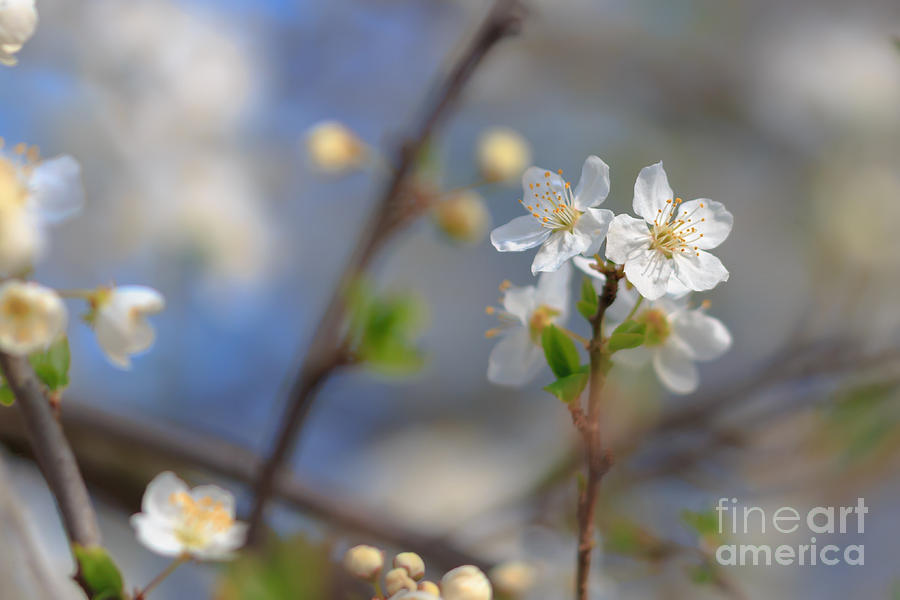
(52, 365)
(629, 334)
(568, 388)
(6, 395)
(560, 351)
(631, 326)
(588, 303)
(98, 572)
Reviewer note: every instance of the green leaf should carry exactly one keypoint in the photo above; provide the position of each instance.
(6, 395)
(629, 334)
(568, 388)
(560, 351)
(589, 302)
(98, 572)
(52, 365)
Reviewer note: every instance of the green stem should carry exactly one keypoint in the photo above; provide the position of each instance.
(378, 593)
(635, 307)
(141, 595)
(574, 336)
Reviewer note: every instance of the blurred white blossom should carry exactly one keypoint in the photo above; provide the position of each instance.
(503, 154)
(364, 562)
(178, 521)
(562, 222)
(463, 217)
(513, 578)
(31, 317)
(334, 148)
(412, 563)
(466, 583)
(120, 321)
(18, 19)
(666, 252)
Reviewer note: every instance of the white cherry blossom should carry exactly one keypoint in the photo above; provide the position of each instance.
(518, 356)
(677, 337)
(466, 583)
(666, 252)
(18, 19)
(120, 321)
(31, 317)
(562, 222)
(178, 521)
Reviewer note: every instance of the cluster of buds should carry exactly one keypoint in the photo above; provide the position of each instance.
(405, 580)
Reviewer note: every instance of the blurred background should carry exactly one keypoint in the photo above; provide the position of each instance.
(189, 118)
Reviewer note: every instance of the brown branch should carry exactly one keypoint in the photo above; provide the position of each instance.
(119, 455)
(324, 354)
(52, 451)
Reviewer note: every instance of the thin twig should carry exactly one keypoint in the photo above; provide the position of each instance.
(323, 355)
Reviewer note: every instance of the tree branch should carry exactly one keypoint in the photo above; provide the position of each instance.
(324, 352)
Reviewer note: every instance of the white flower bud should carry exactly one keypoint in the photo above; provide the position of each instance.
(466, 583)
(334, 148)
(18, 19)
(513, 578)
(120, 321)
(463, 217)
(430, 588)
(364, 562)
(31, 317)
(412, 562)
(397, 580)
(417, 595)
(503, 154)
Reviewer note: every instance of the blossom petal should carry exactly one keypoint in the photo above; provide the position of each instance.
(633, 357)
(627, 236)
(553, 290)
(700, 271)
(519, 234)
(559, 247)
(515, 360)
(706, 337)
(536, 181)
(56, 189)
(651, 190)
(156, 535)
(595, 224)
(585, 265)
(520, 301)
(593, 187)
(649, 272)
(157, 497)
(675, 369)
(216, 494)
(710, 218)
(676, 289)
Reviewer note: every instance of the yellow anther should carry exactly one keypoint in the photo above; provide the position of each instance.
(490, 310)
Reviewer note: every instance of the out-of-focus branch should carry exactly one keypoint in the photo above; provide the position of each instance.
(119, 455)
(326, 350)
(52, 451)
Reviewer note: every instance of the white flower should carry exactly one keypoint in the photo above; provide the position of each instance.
(120, 321)
(466, 583)
(398, 580)
(563, 223)
(18, 19)
(178, 521)
(502, 154)
(334, 148)
(364, 562)
(463, 217)
(33, 194)
(517, 358)
(666, 253)
(412, 563)
(31, 317)
(676, 337)
(513, 578)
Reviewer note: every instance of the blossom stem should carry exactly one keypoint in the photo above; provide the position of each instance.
(80, 294)
(634, 308)
(378, 593)
(462, 188)
(574, 336)
(141, 595)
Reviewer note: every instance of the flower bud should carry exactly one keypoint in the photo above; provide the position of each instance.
(18, 19)
(430, 587)
(412, 563)
(334, 148)
(513, 578)
(463, 217)
(31, 317)
(364, 562)
(503, 154)
(466, 583)
(397, 580)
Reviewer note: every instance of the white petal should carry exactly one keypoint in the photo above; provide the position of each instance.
(535, 182)
(710, 218)
(593, 187)
(705, 336)
(649, 272)
(56, 189)
(515, 360)
(632, 357)
(216, 494)
(157, 497)
(225, 545)
(627, 236)
(156, 535)
(595, 224)
(675, 369)
(675, 289)
(519, 301)
(651, 190)
(584, 264)
(553, 289)
(145, 299)
(559, 247)
(121, 326)
(700, 271)
(519, 234)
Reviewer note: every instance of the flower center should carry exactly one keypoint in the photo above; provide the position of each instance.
(542, 316)
(200, 519)
(658, 328)
(552, 207)
(672, 232)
